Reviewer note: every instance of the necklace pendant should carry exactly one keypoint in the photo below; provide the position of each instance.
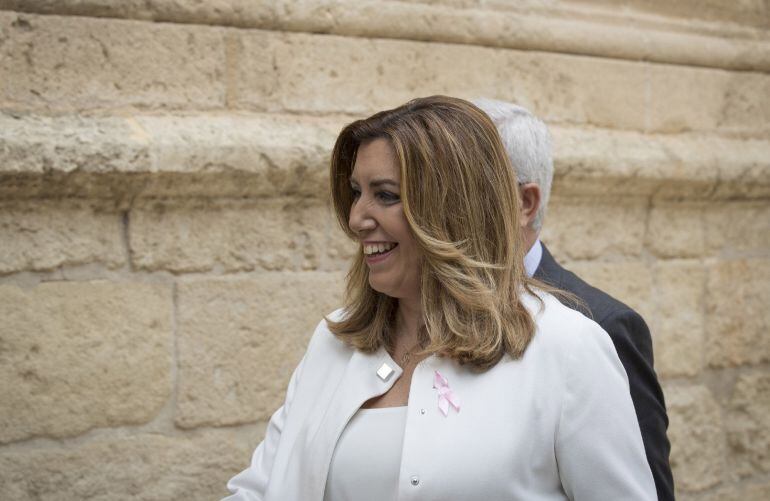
(405, 358)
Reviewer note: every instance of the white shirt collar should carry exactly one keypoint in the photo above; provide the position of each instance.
(532, 259)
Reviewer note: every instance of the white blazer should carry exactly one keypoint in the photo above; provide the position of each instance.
(556, 424)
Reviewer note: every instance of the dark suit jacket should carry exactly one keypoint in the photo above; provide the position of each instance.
(633, 343)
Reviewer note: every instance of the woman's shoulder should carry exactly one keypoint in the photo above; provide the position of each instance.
(323, 338)
(565, 327)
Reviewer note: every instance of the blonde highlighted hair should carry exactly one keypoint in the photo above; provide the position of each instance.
(460, 198)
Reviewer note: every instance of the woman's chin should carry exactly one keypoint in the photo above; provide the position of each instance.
(378, 286)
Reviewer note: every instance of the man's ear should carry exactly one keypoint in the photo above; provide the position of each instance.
(530, 202)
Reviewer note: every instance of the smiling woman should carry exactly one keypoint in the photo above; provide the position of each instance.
(449, 373)
(462, 265)
(378, 221)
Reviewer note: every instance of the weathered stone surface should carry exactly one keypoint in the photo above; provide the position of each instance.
(159, 156)
(737, 316)
(685, 99)
(589, 228)
(240, 340)
(597, 30)
(75, 356)
(735, 492)
(677, 326)
(244, 155)
(697, 438)
(144, 467)
(737, 228)
(741, 108)
(675, 231)
(748, 425)
(272, 234)
(694, 165)
(43, 235)
(81, 63)
(629, 282)
(273, 72)
(748, 12)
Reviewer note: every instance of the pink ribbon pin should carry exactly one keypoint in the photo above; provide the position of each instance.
(445, 394)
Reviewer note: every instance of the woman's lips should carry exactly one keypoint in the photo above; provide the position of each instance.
(378, 258)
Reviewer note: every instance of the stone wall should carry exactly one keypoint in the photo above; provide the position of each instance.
(166, 246)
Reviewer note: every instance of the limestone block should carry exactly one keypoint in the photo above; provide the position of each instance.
(142, 467)
(748, 425)
(341, 249)
(357, 76)
(686, 98)
(315, 76)
(562, 27)
(748, 12)
(629, 282)
(705, 99)
(737, 228)
(45, 235)
(121, 158)
(257, 155)
(272, 234)
(314, 73)
(85, 63)
(75, 356)
(693, 165)
(591, 228)
(677, 327)
(675, 230)
(743, 106)
(697, 437)
(737, 316)
(240, 340)
(735, 492)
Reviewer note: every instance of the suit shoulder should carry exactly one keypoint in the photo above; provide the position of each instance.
(601, 305)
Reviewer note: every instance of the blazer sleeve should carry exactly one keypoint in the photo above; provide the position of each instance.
(633, 343)
(599, 449)
(251, 483)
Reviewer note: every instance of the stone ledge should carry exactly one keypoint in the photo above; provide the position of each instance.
(259, 155)
(571, 30)
(59, 65)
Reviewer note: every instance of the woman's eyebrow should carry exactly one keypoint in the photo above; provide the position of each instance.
(375, 183)
(380, 182)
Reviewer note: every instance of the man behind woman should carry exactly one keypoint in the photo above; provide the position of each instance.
(449, 373)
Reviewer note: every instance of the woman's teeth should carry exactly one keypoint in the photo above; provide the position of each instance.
(370, 249)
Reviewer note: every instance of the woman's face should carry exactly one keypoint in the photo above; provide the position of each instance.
(377, 218)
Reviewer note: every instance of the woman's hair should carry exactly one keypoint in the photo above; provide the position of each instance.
(460, 198)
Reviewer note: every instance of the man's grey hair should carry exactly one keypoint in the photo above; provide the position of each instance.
(528, 143)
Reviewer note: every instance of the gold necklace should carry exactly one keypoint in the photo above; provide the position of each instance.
(408, 353)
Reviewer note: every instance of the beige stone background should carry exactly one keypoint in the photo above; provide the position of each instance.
(166, 246)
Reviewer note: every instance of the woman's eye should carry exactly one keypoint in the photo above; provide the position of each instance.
(355, 192)
(388, 197)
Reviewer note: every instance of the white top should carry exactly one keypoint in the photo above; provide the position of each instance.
(368, 456)
(557, 424)
(532, 258)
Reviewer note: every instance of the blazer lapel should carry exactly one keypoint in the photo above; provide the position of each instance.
(549, 271)
(360, 382)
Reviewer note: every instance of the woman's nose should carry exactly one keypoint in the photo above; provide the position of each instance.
(360, 220)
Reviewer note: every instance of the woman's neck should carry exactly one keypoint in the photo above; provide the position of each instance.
(409, 321)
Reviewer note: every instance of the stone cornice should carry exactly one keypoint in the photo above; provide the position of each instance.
(594, 30)
(245, 155)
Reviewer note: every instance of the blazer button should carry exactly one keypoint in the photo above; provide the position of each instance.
(422, 411)
(415, 480)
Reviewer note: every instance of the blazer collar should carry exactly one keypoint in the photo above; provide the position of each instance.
(359, 383)
(549, 271)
